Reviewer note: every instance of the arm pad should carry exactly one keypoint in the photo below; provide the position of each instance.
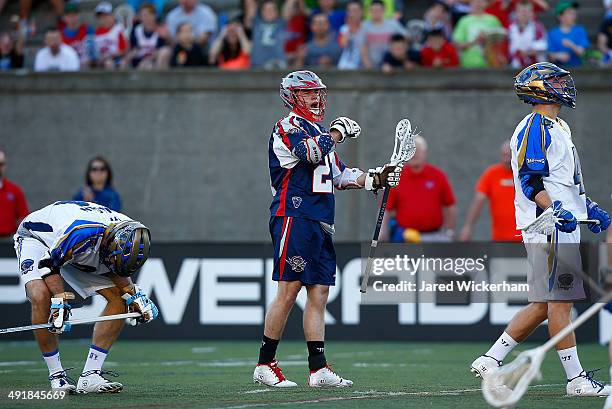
(531, 185)
(348, 179)
(314, 149)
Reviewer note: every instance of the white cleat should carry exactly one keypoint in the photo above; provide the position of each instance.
(484, 366)
(327, 378)
(94, 382)
(585, 385)
(271, 375)
(61, 382)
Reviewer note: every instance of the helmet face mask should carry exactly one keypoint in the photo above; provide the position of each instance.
(563, 88)
(545, 83)
(125, 247)
(304, 93)
(310, 103)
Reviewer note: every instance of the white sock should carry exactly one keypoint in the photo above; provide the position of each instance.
(95, 358)
(52, 359)
(502, 347)
(571, 362)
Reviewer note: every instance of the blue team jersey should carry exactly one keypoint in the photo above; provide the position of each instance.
(300, 188)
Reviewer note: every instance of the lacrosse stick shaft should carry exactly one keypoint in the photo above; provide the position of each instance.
(73, 322)
(368, 268)
(593, 309)
(588, 221)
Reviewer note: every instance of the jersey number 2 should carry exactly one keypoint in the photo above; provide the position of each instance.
(321, 178)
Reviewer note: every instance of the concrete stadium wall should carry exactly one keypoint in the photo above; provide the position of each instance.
(189, 148)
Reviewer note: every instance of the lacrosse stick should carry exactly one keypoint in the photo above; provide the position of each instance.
(546, 223)
(73, 322)
(403, 151)
(507, 386)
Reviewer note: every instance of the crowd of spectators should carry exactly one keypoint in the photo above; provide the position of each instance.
(370, 34)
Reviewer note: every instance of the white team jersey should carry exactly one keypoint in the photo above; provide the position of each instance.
(543, 146)
(72, 231)
(107, 44)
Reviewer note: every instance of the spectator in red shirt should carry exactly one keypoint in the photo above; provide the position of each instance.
(438, 52)
(13, 204)
(110, 41)
(497, 185)
(504, 9)
(295, 14)
(423, 204)
(77, 34)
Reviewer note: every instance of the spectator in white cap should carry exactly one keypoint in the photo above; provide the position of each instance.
(202, 18)
(56, 56)
(110, 41)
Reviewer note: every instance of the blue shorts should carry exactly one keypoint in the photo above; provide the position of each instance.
(302, 251)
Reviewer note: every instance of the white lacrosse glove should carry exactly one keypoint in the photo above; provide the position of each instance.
(60, 313)
(382, 177)
(346, 126)
(137, 301)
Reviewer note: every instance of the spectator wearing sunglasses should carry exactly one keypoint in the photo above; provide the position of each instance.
(99, 185)
(13, 205)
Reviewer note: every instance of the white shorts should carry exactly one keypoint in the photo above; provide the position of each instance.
(555, 265)
(30, 251)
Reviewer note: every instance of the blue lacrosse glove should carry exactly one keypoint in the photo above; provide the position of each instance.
(608, 307)
(597, 213)
(137, 301)
(567, 223)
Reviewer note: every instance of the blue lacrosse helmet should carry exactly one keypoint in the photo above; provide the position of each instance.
(125, 247)
(545, 83)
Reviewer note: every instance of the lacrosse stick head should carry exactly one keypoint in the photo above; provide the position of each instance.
(544, 223)
(405, 146)
(506, 386)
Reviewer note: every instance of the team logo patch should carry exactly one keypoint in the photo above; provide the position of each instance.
(297, 201)
(297, 263)
(429, 184)
(565, 281)
(547, 123)
(26, 266)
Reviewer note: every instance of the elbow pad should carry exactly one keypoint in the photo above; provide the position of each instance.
(531, 185)
(314, 149)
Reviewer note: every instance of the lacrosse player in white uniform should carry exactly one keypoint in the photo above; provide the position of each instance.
(547, 174)
(95, 250)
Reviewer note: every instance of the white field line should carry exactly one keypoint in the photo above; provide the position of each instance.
(358, 395)
(203, 350)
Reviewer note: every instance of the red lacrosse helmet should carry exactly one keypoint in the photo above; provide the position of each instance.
(300, 81)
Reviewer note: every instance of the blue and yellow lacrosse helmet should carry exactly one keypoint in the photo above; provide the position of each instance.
(545, 83)
(125, 247)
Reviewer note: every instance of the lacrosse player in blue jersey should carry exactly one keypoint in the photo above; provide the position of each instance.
(95, 250)
(304, 171)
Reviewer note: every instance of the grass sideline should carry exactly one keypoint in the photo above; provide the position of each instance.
(209, 374)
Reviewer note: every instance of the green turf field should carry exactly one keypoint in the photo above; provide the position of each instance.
(218, 375)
